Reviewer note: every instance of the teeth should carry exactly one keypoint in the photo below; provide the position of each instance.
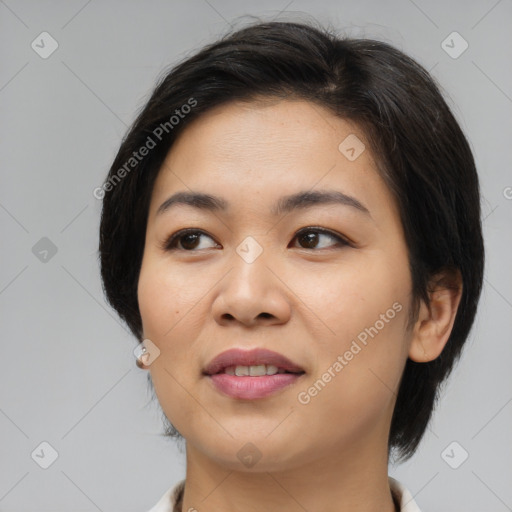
(257, 371)
(253, 371)
(241, 371)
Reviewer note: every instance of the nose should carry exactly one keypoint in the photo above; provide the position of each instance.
(252, 294)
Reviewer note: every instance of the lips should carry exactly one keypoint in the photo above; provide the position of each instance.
(255, 357)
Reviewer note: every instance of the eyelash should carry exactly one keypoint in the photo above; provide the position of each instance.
(169, 243)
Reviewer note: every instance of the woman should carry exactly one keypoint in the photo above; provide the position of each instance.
(291, 229)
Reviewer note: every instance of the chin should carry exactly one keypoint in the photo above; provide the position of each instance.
(253, 453)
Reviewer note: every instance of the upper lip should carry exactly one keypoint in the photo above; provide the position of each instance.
(254, 357)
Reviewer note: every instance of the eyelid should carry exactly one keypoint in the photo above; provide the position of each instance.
(334, 234)
(165, 245)
(344, 240)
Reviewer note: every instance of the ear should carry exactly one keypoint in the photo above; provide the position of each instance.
(435, 322)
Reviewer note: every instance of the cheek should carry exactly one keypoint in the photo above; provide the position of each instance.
(164, 300)
(172, 318)
(155, 303)
(362, 306)
(345, 298)
(356, 378)
(165, 296)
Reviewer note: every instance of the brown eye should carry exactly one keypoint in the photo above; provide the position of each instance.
(189, 240)
(310, 238)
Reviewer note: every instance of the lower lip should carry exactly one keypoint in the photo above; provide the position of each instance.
(251, 388)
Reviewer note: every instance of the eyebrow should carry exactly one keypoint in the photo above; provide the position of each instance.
(298, 201)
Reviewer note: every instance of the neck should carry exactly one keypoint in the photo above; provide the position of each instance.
(354, 481)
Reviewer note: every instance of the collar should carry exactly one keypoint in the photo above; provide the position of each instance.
(172, 500)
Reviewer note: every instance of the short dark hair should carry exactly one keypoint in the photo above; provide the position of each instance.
(420, 150)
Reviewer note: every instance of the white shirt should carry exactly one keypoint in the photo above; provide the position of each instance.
(168, 501)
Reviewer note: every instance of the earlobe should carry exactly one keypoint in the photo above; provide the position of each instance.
(435, 322)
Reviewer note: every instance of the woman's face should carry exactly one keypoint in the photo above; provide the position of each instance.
(251, 278)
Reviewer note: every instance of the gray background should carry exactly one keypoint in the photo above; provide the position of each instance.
(68, 375)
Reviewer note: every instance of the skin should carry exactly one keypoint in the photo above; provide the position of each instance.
(308, 302)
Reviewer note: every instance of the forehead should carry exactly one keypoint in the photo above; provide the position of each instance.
(252, 152)
(267, 132)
